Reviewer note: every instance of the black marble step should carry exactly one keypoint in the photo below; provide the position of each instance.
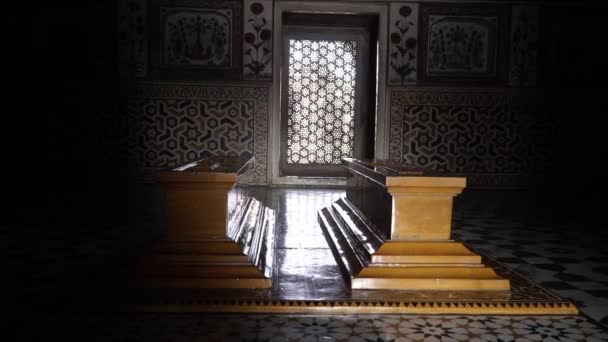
(252, 230)
(350, 236)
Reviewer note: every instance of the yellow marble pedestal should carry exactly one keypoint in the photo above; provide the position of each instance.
(392, 231)
(218, 236)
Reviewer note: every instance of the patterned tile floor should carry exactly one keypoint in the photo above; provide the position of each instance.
(364, 328)
(557, 256)
(570, 259)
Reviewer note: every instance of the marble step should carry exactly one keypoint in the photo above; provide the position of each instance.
(444, 252)
(430, 278)
(438, 284)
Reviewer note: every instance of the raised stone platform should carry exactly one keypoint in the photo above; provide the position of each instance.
(218, 235)
(392, 231)
(370, 262)
(524, 298)
(313, 283)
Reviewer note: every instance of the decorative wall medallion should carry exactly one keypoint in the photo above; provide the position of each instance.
(196, 40)
(176, 123)
(462, 43)
(524, 45)
(193, 37)
(403, 44)
(257, 55)
(490, 137)
(132, 37)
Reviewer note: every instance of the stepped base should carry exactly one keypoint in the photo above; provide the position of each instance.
(369, 262)
(199, 265)
(243, 259)
(445, 252)
(430, 278)
(525, 297)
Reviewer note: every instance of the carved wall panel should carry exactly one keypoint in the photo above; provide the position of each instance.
(132, 37)
(403, 44)
(524, 46)
(196, 40)
(257, 40)
(462, 44)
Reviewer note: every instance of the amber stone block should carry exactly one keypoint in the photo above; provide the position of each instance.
(393, 231)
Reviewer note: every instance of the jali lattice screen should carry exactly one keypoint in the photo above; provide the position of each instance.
(321, 101)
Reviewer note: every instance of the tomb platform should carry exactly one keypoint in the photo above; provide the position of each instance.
(392, 231)
(262, 249)
(218, 235)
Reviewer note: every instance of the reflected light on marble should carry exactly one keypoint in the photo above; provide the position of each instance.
(299, 214)
(306, 267)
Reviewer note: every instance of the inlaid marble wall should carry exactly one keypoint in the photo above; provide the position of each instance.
(493, 135)
(173, 123)
(496, 128)
(495, 138)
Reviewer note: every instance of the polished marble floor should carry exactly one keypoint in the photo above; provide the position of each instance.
(306, 266)
(554, 254)
(569, 258)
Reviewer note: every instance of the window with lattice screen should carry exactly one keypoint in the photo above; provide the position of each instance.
(321, 101)
(323, 98)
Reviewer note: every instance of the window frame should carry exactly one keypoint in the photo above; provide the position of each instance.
(338, 33)
(380, 127)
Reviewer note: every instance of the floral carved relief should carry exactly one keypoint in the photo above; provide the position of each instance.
(403, 44)
(257, 55)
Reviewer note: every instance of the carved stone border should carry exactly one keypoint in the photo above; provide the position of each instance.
(358, 307)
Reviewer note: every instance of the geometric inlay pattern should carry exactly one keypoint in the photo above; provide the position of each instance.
(174, 124)
(321, 101)
(185, 129)
(492, 137)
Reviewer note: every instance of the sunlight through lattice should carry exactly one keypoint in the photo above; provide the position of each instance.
(321, 101)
